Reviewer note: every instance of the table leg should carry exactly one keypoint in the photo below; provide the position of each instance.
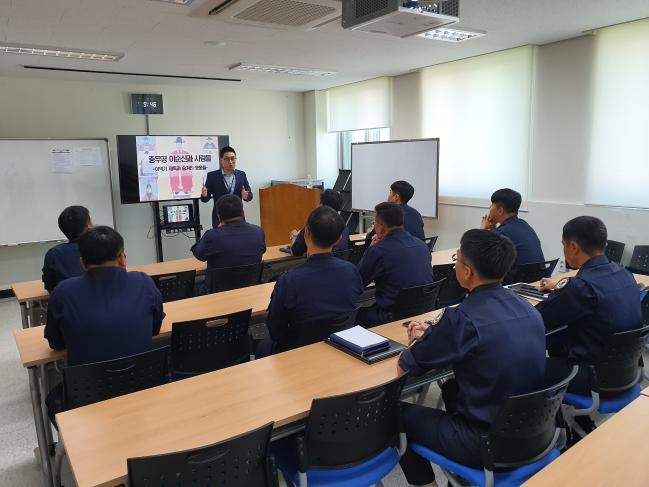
(45, 389)
(37, 407)
(24, 315)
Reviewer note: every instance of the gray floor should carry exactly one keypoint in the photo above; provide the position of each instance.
(18, 464)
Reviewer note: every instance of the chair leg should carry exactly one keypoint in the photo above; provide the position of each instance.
(569, 416)
(58, 462)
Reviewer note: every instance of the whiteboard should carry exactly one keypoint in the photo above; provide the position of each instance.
(41, 177)
(376, 165)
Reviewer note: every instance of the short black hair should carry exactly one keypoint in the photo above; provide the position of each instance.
(325, 226)
(404, 189)
(332, 199)
(225, 149)
(390, 214)
(229, 206)
(100, 245)
(508, 199)
(588, 232)
(490, 254)
(73, 221)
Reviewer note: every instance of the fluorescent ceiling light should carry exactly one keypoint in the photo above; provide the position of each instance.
(451, 35)
(267, 68)
(60, 52)
(177, 2)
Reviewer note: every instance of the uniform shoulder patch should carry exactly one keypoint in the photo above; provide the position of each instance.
(562, 283)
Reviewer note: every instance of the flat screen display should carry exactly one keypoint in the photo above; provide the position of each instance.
(166, 167)
(177, 213)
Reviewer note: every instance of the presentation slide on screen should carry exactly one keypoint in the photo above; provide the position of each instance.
(174, 167)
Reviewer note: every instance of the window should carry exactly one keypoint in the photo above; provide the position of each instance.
(480, 110)
(346, 139)
(619, 148)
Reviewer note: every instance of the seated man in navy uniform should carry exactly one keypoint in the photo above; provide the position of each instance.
(332, 199)
(503, 219)
(602, 299)
(396, 260)
(321, 288)
(62, 261)
(400, 193)
(495, 343)
(106, 313)
(234, 242)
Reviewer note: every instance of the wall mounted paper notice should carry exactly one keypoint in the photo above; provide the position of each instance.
(87, 156)
(61, 161)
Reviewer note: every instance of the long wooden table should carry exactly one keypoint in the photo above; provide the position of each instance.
(613, 454)
(213, 407)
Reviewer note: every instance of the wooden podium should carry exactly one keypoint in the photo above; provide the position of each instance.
(285, 207)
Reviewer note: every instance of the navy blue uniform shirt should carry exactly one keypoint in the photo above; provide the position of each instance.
(413, 223)
(61, 262)
(323, 287)
(105, 314)
(600, 300)
(216, 187)
(299, 246)
(527, 243)
(397, 262)
(495, 343)
(231, 245)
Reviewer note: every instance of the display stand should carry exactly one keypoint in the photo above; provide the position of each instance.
(160, 226)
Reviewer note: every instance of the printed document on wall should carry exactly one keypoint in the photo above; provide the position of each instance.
(87, 156)
(61, 161)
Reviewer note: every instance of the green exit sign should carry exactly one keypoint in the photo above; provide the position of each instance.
(146, 104)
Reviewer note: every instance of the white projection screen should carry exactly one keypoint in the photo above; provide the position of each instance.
(376, 165)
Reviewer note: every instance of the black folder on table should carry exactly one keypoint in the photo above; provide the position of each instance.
(377, 349)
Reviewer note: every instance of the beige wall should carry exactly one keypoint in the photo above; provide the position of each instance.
(266, 128)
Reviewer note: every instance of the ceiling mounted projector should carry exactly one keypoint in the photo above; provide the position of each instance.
(400, 18)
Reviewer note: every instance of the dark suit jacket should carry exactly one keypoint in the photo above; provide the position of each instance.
(215, 185)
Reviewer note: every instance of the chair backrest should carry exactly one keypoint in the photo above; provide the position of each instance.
(226, 278)
(416, 300)
(644, 304)
(349, 429)
(451, 291)
(431, 241)
(175, 286)
(241, 461)
(343, 254)
(301, 334)
(525, 428)
(614, 251)
(90, 383)
(534, 271)
(640, 259)
(357, 250)
(618, 365)
(200, 346)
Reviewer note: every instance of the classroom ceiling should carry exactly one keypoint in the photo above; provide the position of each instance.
(161, 38)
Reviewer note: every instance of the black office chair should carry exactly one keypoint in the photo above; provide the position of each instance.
(617, 374)
(533, 272)
(91, 383)
(227, 278)
(451, 291)
(431, 241)
(416, 300)
(343, 254)
(301, 334)
(348, 436)
(358, 249)
(242, 461)
(272, 270)
(614, 251)
(640, 260)
(201, 346)
(175, 286)
(525, 437)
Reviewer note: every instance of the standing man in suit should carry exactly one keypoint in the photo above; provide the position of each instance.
(227, 180)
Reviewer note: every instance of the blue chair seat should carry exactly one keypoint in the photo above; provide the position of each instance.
(606, 406)
(510, 478)
(365, 474)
